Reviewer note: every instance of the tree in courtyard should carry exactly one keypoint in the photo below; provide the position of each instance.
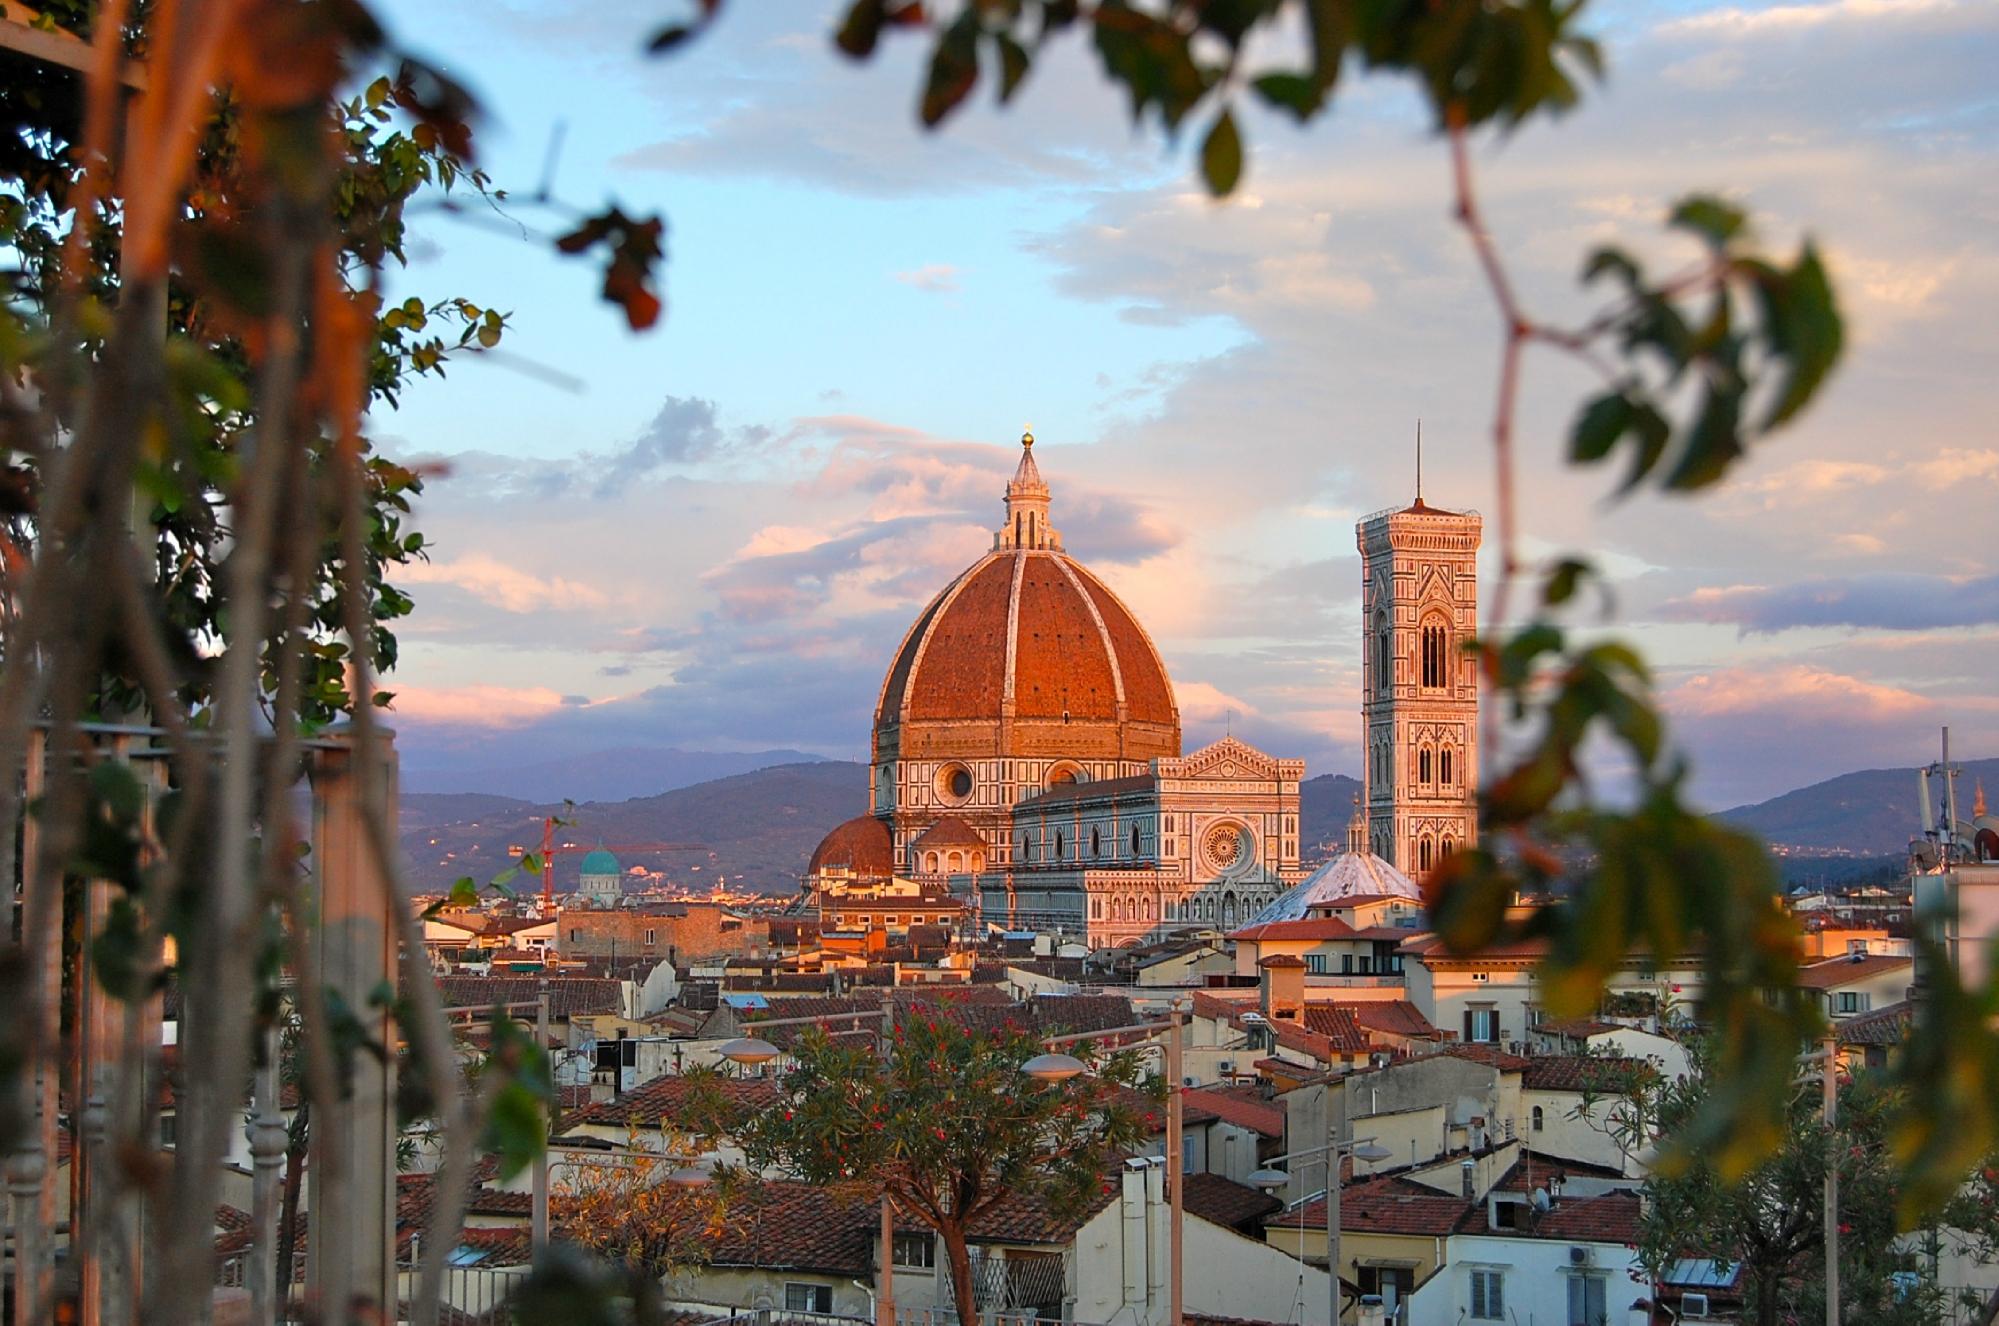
(947, 1126)
(1772, 1219)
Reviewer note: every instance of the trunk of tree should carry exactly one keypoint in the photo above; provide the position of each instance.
(1766, 1296)
(1989, 1313)
(295, 1152)
(952, 1233)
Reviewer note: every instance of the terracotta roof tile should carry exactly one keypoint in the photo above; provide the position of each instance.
(1223, 1201)
(1394, 1017)
(667, 1098)
(1605, 1074)
(1311, 927)
(1835, 972)
(861, 845)
(1884, 1026)
(1383, 1206)
(1240, 1109)
(567, 995)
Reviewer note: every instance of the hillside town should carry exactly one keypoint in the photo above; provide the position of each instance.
(1039, 853)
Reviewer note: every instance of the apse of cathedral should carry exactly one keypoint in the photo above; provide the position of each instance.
(1027, 750)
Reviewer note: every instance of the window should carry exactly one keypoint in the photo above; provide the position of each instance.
(918, 920)
(1315, 963)
(1444, 765)
(1433, 656)
(652, 937)
(1482, 1024)
(916, 1248)
(575, 936)
(1384, 655)
(1346, 964)
(1026, 851)
(463, 1255)
(1539, 1119)
(1096, 909)
(1852, 1001)
(1588, 1300)
(1423, 852)
(1058, 844)
(1096, 843)
(807, 1298)
(892, 919)
(1423, 765)
(1446, 847)
(1134, 840)
(1488, 1295)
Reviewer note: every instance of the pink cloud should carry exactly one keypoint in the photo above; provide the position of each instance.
(475, 705)
(1796, 688)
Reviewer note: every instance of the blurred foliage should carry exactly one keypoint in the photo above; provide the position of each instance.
(1771, 1217)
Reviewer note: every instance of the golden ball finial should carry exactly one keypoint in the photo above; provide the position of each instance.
(1027, 437)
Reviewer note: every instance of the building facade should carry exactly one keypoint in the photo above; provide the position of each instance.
(1419, 696)
(1027, 755)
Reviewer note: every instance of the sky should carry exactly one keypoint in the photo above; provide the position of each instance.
(713, 535)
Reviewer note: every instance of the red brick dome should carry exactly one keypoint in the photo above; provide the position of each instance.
(1027, 654)
(861, 847)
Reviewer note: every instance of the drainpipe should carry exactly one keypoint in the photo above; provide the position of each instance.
(1132, 1216)
(1155, 1237)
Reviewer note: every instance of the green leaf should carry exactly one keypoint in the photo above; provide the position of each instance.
(669, 37)
(1598, 427)
(954, 70)
(1713, 219)
(1296, 93)
(1014, 64)
(1221, 155)
(1802, 323)
(1562, 581)
(861, 29)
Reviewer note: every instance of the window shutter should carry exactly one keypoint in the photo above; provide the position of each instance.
(1478, 1294)
(1495, 1294)
(1468, 1025)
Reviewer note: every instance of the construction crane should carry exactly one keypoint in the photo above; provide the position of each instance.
(550, 849)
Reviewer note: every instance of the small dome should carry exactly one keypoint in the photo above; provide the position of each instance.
(1349, 875)
(861, 846)
(601, 862)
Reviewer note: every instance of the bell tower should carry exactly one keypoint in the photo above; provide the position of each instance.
(1419, 689)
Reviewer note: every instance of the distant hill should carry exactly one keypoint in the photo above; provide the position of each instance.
(759, 828)
(1325, 807)
(605, 775)
(1871, 813)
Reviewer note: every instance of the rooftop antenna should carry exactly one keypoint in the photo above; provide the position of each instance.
(1419, 460)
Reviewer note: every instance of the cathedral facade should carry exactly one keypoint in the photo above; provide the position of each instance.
(1027, 753)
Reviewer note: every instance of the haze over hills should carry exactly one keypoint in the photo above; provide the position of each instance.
(602, 775)
(758, 828)
(1870, 813)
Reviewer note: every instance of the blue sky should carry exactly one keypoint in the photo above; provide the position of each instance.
(713, 535)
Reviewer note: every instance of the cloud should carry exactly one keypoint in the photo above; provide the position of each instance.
(1890, 602)
(1792, 688)
(476, 705)
(1735, 22)
(509, 588)
(1202, 701)
(935, 278)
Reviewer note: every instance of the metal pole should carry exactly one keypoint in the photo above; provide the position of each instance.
(1332, 1207)
(1175, 1164)
(1831, 1084)
(538, 1203)
(885, 1273)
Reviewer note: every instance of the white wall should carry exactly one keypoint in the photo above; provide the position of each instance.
(1573, 1134)
(1535, 1282)
(1121, 1264)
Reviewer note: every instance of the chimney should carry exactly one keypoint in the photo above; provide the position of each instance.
(1283, 988)
(1468, 1173)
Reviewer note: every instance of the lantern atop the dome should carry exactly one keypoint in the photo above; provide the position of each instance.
(1026, 524)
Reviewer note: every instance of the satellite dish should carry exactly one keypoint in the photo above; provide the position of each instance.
(1540, 1199)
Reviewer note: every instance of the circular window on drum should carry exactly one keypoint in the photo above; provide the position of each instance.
(1226, 847)
(954, 784)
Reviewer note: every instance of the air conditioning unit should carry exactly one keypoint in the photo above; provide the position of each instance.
(1227, 1067)
(1579, 1255)
(1693, 1305)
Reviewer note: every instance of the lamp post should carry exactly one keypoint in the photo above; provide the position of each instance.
(1270, 1178)
(1057, 1067)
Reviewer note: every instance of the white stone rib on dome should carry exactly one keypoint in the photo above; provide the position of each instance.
(1348, 875)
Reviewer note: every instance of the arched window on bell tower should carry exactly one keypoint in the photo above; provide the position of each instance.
(1384, 655)
(1444, 766)
(1435, 655)
(1423, 765)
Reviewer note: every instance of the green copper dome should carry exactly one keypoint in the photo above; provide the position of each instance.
(601, 862)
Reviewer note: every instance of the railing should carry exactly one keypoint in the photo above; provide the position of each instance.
(472, 1294)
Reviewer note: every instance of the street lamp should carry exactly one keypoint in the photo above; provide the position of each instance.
(1270, 1178)
(1053, 1067)
(748, 1051)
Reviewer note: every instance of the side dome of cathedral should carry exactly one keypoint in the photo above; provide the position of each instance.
(1027, 655)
